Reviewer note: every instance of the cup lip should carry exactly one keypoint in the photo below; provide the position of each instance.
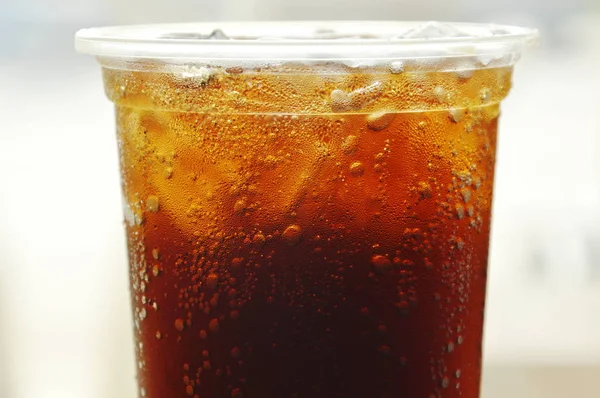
(303, 40)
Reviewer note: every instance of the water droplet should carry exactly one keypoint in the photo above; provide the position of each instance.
(155, 254)
(213, 325)
(380, 120)
(236, 393)
(203, 335)
(357, 169)
(445, 382)
(385, 350)
(212, 280)
(143, 392)
(235, 353)
(237, 263)
(168, 172)
(457, 373)
(450, 347)
(381, 263)
(179, 324)
(142, 314)
(292, 234)
(485, 94)
(158, 335)
(205, 354)
(460, 340)
(349, 144)
(189, 390)
(460, 211)
(155, 270)
(259, 239)
(152, 203)
(424, 190)
(206, 365)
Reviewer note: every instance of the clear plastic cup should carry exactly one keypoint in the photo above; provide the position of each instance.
(307, 204)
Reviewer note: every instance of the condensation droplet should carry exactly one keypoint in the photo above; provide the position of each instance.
(292, 234)
(236, 393)
(179, 324)
(349, 144)
(142, 314)
(213, 325)
(155, 254)
(381, 263)
(357, 169)
(189, 390)
(424, 190)
(158, 335)
(212, 281)
(235, 353)
(203, 335)
(485, 94)
(155, 270)
(445, 382)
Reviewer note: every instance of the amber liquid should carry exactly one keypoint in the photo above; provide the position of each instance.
(308, 254)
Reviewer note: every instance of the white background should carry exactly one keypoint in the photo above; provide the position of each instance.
(64, 318)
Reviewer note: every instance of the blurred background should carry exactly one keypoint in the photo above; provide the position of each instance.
(65, 328)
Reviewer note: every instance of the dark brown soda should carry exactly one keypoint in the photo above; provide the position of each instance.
(308, 235)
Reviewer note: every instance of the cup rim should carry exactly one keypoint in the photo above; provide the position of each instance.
(302, 40)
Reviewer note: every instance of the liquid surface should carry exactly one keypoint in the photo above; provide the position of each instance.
(336, 249)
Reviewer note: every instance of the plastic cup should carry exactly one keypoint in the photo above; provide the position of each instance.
(307, 205)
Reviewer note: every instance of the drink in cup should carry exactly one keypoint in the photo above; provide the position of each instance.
(307, 205)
